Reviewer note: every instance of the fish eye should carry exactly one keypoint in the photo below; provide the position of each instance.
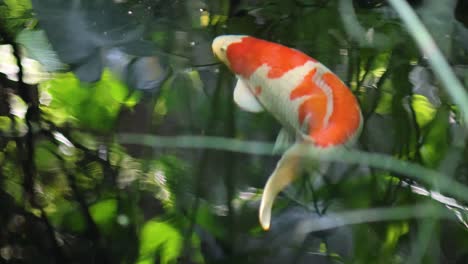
(224, 48)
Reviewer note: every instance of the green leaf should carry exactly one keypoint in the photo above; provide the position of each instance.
(423, 109)
(16, 12)
(36, 44)
(104, 214)
(92, 107)
(394, 233)
(436, 139)
(72, 219)
(159, 236)
(210, 222)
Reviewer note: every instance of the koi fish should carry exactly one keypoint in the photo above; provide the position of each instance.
(311, 103)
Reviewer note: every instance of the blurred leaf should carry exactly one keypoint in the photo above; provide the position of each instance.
(146, 73)
(90, 69)
(420, 78)
(210, 222)
(384, 105)
(394, 234)
(104, 214)
(436, 140)
(71, 218)
(423, 109)
(38, 48)
(94, 107)
(157, 235)
(177, 181)
(44, 159)
(78, 40)
(16, 13)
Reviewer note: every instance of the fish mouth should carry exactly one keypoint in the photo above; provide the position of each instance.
(218, 46)
(221, 43)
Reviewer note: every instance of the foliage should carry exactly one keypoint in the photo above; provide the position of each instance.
(126, 146)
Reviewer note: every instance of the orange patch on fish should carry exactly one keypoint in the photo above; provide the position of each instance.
(345, 119)
(314, 107)
(250, 53)
(306, 87)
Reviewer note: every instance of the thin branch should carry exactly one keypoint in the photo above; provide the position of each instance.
(412, 170)
(334, 220)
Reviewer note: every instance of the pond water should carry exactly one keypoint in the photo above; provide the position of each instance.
(121, 140)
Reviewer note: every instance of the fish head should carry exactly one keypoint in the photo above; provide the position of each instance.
(221, 44)
(244, 55)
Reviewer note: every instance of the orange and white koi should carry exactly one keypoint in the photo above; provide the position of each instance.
(310, 102)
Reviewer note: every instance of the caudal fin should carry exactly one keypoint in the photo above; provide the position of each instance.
(286, 171)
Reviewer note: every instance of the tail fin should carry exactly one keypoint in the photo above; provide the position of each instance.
(286, 171)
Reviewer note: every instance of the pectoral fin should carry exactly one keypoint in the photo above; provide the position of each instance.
(286, 171)
(245, 99)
